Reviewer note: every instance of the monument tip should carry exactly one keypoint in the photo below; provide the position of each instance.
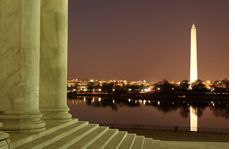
(193, 26)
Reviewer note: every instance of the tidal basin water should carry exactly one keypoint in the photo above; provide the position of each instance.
(210, 114)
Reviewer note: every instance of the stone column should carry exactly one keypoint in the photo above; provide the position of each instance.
(19, 63)
(53, 60)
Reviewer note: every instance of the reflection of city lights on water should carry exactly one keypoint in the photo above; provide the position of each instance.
(149, 101)
(158, 102)
(99, 99)
(113, 101)
(212, 103)
(129, 100)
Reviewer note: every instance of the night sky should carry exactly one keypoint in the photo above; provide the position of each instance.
(147, 39)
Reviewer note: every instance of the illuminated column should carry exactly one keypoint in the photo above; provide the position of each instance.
(19, 63)
(193, 57)
(53, 60)
(193, 75)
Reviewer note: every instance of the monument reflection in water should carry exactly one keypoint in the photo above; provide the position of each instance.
(184, 114)
(193, 119)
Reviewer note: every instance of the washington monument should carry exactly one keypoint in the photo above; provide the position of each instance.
(193, 75)
(193, 55)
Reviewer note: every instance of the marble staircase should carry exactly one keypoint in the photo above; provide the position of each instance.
(80, 135)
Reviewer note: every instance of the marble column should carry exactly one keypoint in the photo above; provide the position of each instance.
(19, 63)
(53, 60)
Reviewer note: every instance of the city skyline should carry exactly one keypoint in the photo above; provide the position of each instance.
(147, 40)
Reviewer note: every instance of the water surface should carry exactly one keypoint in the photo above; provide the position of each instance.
(210, 114)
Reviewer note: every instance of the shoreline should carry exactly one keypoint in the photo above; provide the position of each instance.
(166, 135)
(159, 96)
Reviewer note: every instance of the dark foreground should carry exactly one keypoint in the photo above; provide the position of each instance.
(180, 136)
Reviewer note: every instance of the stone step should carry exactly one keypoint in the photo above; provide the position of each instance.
(147, 143)
(73, 138)
(128, 141)
(4, 144)
(50, 138)
(155, 144)
(90, 138)
(20, 139)
(104, 139)
(116, 141)
(138, 143)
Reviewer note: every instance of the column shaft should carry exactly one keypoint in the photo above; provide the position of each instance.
(53, 60)
(19, 63)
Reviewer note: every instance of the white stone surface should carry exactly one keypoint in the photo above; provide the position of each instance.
(193, 57)
(4, 141)
(53, 60)
(3, 136)
(19, 63)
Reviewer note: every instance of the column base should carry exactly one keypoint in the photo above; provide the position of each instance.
(56, 115)
(22, 122)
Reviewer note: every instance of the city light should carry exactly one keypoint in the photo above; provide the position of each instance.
(158, 102)
(144, 102)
